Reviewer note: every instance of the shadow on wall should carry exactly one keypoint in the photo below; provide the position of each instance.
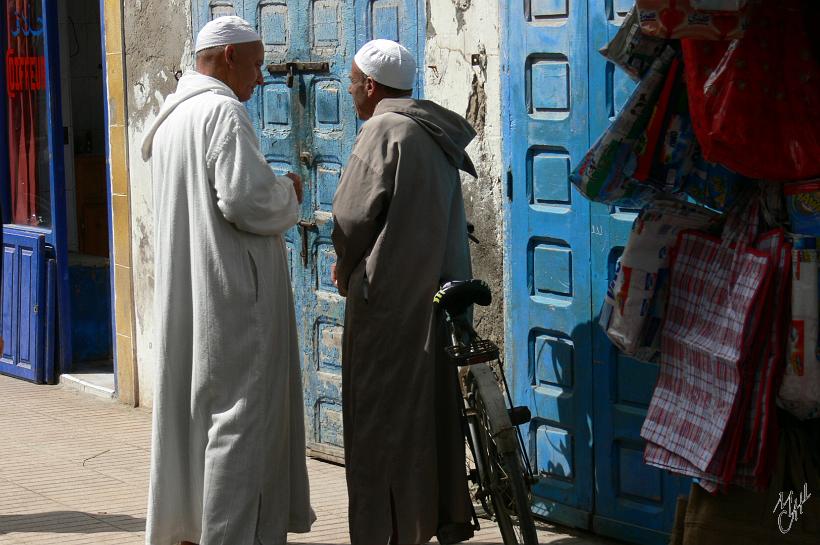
(61, 522)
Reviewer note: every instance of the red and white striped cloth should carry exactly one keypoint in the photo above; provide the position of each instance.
(742, 455)
(715, 291)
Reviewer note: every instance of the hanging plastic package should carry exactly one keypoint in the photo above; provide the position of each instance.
(800, 389)
(678, 163)
(605, 174)
(634, 304)
(711, 184)
(699, 20)
(772, 72)
(803, 204)
(631, 49)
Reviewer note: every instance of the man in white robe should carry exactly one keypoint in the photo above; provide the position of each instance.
(228, 447)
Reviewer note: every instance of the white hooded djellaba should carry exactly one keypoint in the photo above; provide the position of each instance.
(228, 449)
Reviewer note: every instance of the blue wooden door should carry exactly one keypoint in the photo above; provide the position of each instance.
(309, 128)
(31, 167)
(633, 501)
(24, 305)
(588, 401)
(547, 288)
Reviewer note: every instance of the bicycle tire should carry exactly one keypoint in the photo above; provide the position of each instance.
(500, 454)
(516, 503)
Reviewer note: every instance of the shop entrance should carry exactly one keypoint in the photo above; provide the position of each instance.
(56, 280)
(87, 217)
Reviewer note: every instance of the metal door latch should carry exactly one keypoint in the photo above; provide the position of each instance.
(290, 68)
(303, 227)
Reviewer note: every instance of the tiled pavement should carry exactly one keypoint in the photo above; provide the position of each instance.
(74, 470)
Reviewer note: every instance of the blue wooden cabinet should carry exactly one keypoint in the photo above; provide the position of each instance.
(588, 402)
(309, 128)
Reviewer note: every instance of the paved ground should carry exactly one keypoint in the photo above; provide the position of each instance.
(74, 470)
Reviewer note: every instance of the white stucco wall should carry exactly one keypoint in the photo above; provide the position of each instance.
(462, 73)
(157, 45)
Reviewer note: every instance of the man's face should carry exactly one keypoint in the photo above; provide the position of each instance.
(245, 68)
(362, 89)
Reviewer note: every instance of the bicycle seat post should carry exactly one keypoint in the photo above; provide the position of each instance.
(452, 329)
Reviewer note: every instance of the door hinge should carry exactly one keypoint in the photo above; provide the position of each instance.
(36, 309)
(509, 185)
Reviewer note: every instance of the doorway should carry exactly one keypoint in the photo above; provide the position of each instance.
(56, 287)
(86, 198)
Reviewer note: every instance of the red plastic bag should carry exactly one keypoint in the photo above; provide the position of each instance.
(755, 102)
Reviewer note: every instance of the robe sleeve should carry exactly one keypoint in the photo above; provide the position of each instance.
(248, 192)
(359, 211)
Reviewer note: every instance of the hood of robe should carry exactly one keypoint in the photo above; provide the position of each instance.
(191, 84)
(448, 129)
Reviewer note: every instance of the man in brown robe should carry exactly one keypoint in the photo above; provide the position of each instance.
(400, 230)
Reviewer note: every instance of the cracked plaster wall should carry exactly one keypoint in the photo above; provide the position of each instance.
(157, 45)
(462, 73)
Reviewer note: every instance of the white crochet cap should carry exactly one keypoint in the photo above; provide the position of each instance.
(387, 62)
(226, 30)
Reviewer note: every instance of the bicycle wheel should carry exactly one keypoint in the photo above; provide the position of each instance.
(498, 449)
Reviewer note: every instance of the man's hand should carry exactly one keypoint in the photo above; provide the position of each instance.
(333, 275)
(297, 185)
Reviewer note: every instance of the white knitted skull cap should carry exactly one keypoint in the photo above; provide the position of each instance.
(388, 63)
(225, 30)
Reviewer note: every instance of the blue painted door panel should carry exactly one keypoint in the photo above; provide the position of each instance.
(633, 501)
(548, 338)
(309, 129)
(24, 304)
(588, 402)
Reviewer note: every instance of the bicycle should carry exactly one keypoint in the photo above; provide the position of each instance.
(500, 471)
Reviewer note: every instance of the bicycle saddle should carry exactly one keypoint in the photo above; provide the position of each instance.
(456, 297)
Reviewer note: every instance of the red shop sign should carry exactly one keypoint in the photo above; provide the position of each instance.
(24, 73)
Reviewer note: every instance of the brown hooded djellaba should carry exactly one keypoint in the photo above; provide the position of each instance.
(400, 230)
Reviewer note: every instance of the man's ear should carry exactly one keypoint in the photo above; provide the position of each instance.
(230, 54)
(370, 86)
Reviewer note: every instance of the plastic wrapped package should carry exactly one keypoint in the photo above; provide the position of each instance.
(634, 304)
(605, 174)
(803, 204)
(719, 20)
(632, 50)
(711, 184)
(800, 390)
